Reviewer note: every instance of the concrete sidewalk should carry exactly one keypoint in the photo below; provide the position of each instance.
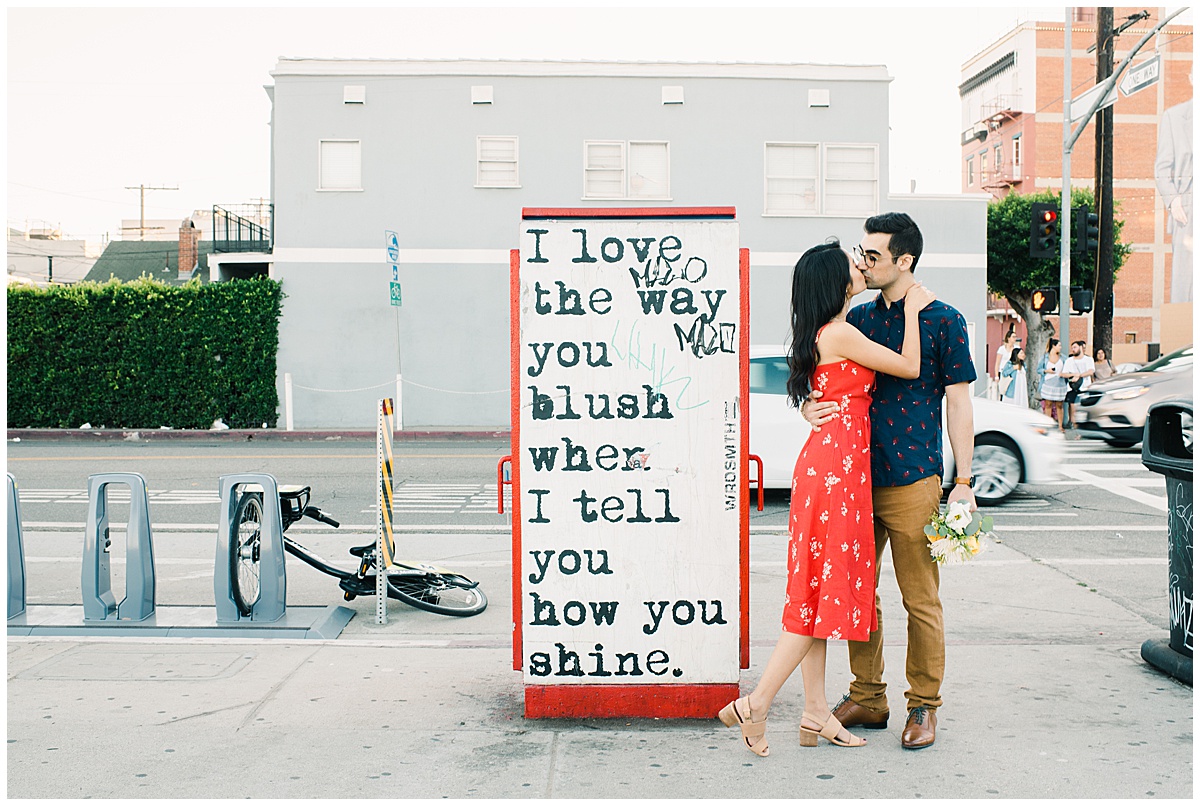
(1045, 696)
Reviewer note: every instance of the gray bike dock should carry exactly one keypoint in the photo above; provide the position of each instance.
(137, 614)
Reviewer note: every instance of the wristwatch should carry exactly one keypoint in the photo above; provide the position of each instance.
(970, 482)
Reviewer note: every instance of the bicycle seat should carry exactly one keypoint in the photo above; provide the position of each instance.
(284, 489)
(359, 551)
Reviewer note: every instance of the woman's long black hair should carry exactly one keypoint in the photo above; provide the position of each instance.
(819, 284)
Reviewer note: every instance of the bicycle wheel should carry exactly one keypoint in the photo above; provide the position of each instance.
(244, 549)
(444, 594)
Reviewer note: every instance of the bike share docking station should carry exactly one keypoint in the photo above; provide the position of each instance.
(137, 613)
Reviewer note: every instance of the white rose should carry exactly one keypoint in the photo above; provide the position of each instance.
(957, 516)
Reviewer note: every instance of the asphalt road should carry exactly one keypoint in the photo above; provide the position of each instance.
(1104, 523)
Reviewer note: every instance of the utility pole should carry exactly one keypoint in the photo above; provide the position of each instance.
(1069, 138)
(50, 270)
(142, 215)
(1102, 312)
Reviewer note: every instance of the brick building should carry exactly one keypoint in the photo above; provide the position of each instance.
(1012, 104)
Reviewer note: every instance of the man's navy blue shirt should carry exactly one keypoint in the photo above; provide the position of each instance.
(906, 415)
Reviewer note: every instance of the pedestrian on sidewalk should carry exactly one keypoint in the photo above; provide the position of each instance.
(906, 473)
(1002, 355)
(1104, 365)
(831, 555)
(1078, 370)
(1053, 387)
(1018, 383)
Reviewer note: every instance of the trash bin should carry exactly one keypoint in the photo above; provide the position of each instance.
(1167, 449)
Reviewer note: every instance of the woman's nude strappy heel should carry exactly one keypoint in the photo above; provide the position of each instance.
(732, 715)
(830, 730)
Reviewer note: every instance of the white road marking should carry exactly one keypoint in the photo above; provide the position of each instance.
(1118, 486)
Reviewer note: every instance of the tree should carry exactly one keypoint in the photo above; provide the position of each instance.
(1011, 272)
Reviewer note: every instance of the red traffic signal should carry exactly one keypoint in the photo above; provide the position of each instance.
(1043, 230)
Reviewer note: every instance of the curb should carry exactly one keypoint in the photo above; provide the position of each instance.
(243, 434)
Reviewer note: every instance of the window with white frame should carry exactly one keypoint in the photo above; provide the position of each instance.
(1016, 153)
(496, 162)
(821, 179)
(999, 154)
(340, 165)
(792, 175)
(619, 169)
(851, 179)
(983, 169)
(970, 171)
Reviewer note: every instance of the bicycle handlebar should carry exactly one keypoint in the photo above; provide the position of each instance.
(317, 515)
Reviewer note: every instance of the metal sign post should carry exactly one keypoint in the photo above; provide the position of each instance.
(385, 548)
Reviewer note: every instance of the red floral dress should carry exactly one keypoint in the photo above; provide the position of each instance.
(831, 554)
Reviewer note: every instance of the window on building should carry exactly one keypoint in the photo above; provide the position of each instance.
(340, 165)
(1016, 153)
(851, 180)
(792, 177)
(616, 169)
(496, 162)
(999, 155)
(816, 179)
(970, 171)
(983, 169)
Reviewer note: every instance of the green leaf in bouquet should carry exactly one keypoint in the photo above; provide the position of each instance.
(930, 530)
(988, 522)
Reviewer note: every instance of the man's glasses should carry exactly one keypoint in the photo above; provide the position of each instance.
(868, 258)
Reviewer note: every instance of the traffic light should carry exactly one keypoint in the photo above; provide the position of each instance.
(1081, 299)
(1045, 301)
(1043, 230)
(1087, 231)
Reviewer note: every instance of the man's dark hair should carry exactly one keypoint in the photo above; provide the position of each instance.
(1080, 342)
(906, 236)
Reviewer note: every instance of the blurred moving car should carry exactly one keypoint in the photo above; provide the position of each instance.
(1114, 410)
(1013, 445)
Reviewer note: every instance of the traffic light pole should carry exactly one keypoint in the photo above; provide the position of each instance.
(1064, 243)
(1069, 138)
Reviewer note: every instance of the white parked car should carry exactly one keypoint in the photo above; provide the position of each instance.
(1013, 445)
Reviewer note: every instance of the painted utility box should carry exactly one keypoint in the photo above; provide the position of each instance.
(630, 522)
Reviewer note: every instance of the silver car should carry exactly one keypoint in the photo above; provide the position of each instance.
(1114, 410)
(1013, 445)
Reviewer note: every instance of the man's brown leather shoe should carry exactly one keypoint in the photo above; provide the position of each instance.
(920, 728)
(853, 715)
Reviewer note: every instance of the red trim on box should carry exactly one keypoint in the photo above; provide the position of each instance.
(627, 212)
(514, 382)
(685, 701)
(744, 537)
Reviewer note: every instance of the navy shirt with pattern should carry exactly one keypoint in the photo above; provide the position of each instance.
(906, 415)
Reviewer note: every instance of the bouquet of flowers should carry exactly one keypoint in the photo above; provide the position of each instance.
(955, 536)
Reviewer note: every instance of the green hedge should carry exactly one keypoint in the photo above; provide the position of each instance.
(143, 354)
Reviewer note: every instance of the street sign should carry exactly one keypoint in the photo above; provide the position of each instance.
(392, 241)
(1081, 105)
(1144, 75)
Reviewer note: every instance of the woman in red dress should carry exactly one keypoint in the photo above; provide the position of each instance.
(831, 581)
